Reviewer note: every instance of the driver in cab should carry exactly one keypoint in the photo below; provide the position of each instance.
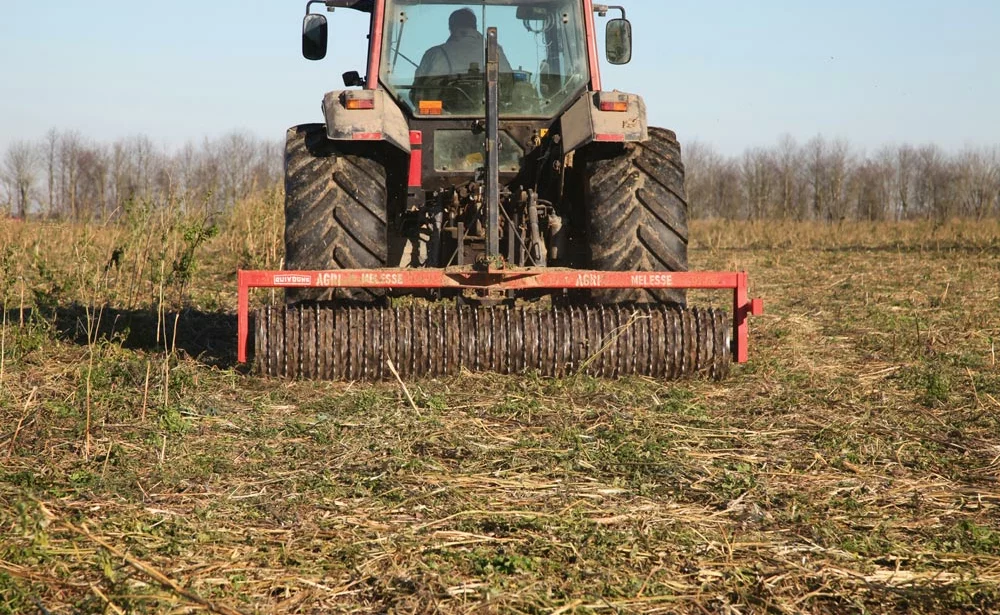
(464, 53)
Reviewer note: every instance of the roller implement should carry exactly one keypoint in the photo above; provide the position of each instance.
(479, 202)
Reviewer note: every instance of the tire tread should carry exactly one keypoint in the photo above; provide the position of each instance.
(636, 210)
(335, 211)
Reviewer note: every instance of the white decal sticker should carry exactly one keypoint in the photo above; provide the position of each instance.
(293, 280)
(588, 280)
(653, 280)
(330, 279)
(382, 279)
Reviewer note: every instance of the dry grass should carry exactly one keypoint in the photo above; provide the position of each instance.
(851, 467)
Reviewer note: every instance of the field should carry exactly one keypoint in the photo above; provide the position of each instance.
(852, 467)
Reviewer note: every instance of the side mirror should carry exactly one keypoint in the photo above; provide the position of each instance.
(315, 35)
(618, 38)
(353, 79)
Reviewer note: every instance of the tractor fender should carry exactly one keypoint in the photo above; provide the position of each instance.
(584, 122)
(384, 122)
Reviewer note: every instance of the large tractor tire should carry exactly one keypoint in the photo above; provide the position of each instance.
(335, 210)
(636, 212)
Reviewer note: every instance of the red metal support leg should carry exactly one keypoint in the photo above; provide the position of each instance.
(242, 317)
(743, 308)
(741, 330)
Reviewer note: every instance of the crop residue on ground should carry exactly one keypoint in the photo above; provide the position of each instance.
(852, 466)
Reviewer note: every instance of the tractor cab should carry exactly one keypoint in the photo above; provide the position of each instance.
(427, 80)
(429, 55)
(432, 57)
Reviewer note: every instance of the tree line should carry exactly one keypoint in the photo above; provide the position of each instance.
(828, 180)
(64, 175)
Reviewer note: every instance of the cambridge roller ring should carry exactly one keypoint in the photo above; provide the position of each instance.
(360, 343)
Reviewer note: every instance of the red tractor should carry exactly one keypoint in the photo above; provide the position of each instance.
(482, 166)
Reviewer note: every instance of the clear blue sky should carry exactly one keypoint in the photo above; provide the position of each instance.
(733, 73)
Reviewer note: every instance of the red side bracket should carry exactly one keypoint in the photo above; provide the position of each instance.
(504, 280)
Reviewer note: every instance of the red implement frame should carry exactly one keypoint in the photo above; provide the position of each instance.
(501, 281)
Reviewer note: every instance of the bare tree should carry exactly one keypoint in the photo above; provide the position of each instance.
(239, 153)
(757, 175)
(50, 149)
(20, 169)
(698, 158)
(70, 143)
(934, 184)
(870, 188)
(978, 181)
(906, 178)
(92, 187)
(788, 167)
(838, 163)
(827, 168)
(816, 171)
(713, 183)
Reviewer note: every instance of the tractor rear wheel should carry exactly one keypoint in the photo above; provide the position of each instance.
(636, 212)
(335, 210)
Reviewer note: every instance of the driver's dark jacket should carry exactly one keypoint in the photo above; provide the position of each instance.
(455, 57)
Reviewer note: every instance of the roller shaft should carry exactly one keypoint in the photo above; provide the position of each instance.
(357, 343)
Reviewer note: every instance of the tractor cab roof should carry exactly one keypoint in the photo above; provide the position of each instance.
(367, 6)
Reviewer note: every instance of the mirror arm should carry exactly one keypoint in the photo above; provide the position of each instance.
(365, 6)
(602, 9)
(311, 3)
